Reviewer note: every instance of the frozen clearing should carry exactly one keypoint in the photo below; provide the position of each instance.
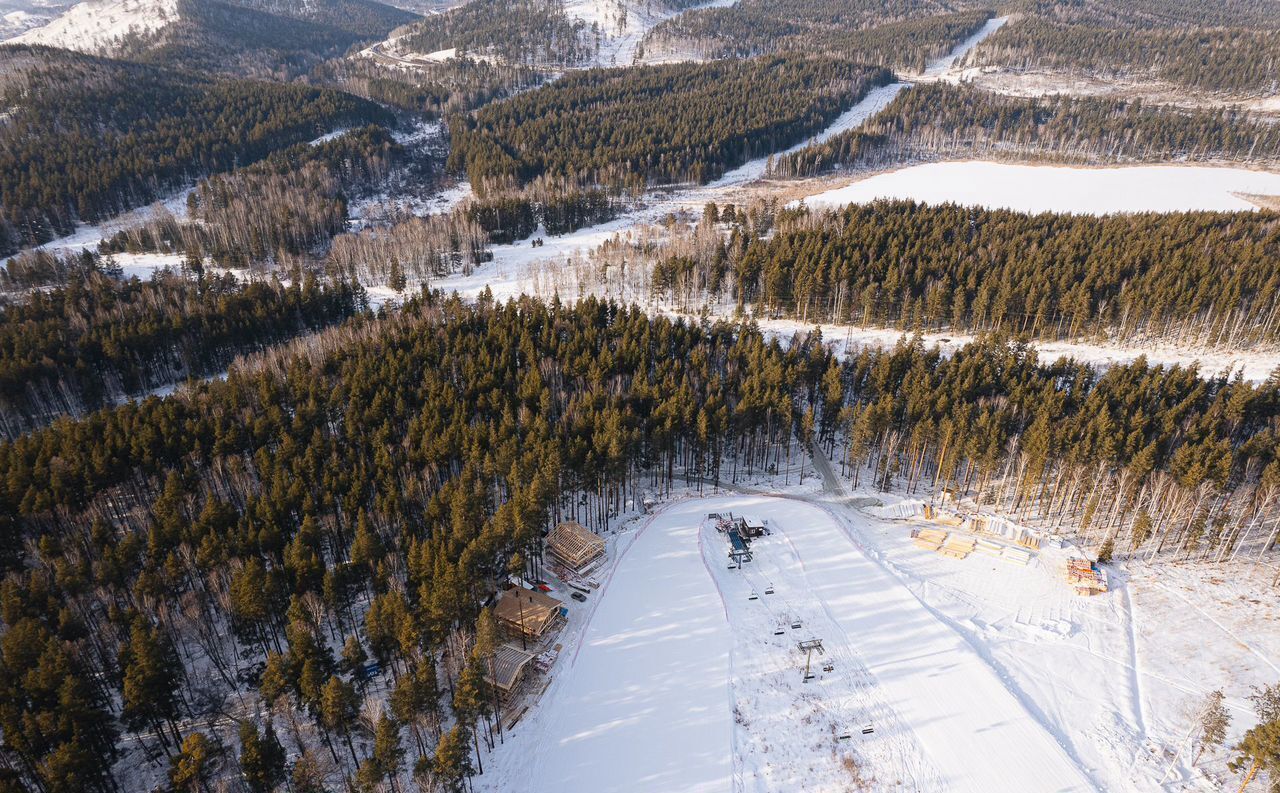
(679, 683)
(1043, 188)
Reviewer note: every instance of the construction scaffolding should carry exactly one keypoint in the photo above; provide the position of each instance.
(575, 545)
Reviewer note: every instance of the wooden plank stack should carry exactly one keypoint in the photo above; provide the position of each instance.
(958, 547)
(929, 539)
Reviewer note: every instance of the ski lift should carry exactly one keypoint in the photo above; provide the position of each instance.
(754, 596)
(795, 625)
(867, 730)
(828, 667)
(768, 590)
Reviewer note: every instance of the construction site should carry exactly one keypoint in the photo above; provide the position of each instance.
(532, 618)
(772, 643)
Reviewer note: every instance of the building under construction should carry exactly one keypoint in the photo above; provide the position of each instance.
(508, 668)
(527, 612)
(575, 546)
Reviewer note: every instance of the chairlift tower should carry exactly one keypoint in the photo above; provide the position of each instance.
(808, 647)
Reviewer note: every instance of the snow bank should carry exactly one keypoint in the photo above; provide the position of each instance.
(1035, 188)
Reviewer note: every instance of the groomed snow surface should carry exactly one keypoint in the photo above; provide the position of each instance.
(1032, 188)
(679, 683)
(972, 675)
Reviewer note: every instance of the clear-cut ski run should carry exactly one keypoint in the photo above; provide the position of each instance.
(679, 682)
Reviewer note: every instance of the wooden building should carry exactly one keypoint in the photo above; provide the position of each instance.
(574, 545)
(509, 664)
(527, 612)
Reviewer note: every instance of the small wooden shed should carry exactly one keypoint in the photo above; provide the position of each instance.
(527, 612)
(574, 545)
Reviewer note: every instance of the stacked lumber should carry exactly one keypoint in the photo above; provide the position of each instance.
(958, 547)
(1016, 556)
(988, 547)
(1086, 577)
(929, 539)
(1029, 541)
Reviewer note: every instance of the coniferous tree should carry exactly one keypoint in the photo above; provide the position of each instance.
(262, 757)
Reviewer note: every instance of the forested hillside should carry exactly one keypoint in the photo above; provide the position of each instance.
(1231, 48)
(898, 34)
(172, 561)
(87, 138)
(1204, 276)
(292, 202)
(457, 85)
(519, 32)
(366, 19)
(944, 120)
(682, 122)
(96, 340)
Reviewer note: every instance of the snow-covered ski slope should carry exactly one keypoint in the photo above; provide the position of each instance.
(679, 683)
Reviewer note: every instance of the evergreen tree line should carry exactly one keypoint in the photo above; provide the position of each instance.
(1201, 277)
(293, 202)
(900, 35)
(1138, 461)
(433, 89)
(944, 120)
(678, 122)
(264, 40)
(97, 340)
(273, 530)
(1154, 13)
(1235, 61)
(371, 488)
(519, 32)
(87, 138)
(557, 205)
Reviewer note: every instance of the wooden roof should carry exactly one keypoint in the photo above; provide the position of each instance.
(573, 544)
(508, 663)
(527, 610)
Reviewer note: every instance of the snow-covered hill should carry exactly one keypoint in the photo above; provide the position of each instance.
(19, 16)
(99, 26)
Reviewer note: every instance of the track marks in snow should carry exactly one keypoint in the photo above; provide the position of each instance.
(1135, 674)
(788, 730)
(975, 727)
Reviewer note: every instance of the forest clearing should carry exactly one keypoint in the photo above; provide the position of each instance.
(928, 662)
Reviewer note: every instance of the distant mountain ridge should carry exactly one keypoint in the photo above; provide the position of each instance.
(278, 38)
(104, 27)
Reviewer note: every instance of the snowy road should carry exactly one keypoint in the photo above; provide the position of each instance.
(678, 683)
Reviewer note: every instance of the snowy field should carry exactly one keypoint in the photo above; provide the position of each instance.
(945, 674)
(1033, 188)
